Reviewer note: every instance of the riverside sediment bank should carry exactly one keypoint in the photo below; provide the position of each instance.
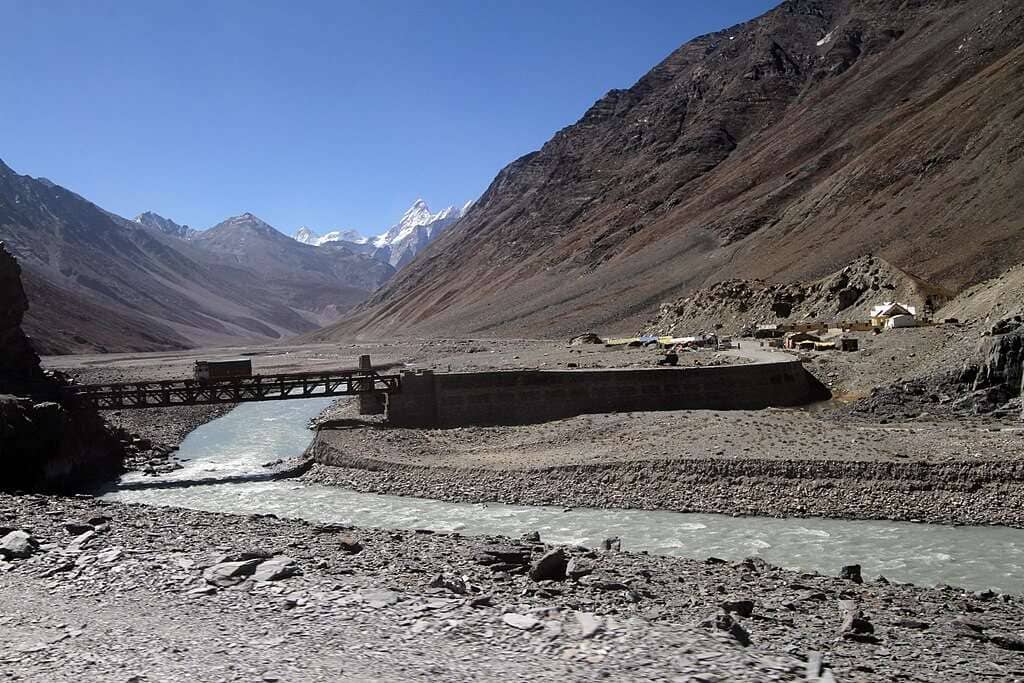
(974, 494)
(779, 463)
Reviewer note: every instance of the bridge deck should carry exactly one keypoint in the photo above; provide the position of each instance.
(165, 393)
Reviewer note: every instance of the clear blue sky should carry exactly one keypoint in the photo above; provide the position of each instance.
(321, 113)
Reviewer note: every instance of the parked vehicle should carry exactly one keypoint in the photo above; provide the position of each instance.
(209, 371)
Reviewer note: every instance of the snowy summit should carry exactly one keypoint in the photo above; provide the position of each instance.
(401, 242)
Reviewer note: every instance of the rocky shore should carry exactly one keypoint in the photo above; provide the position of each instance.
(920, 493)
(774, 463)
(154, 434)
(139, 593)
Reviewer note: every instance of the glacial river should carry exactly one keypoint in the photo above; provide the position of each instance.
(223, 460)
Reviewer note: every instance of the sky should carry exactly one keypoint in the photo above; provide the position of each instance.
(325, 113)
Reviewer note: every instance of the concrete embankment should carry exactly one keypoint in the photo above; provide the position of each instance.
(951, 493)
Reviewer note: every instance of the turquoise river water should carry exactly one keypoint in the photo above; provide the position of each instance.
(221, 457)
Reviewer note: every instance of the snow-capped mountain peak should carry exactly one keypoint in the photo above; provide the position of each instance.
(401, 242)
(308, 236)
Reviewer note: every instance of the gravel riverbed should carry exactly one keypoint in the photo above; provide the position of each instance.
(122, 592)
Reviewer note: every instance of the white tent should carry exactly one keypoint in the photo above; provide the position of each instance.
(892, 308)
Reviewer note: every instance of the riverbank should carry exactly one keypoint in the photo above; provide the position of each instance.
(775, 463)
(450, 607)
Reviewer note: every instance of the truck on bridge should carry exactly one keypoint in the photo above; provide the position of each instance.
(210, 371)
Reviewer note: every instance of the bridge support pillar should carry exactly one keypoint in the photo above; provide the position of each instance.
(370, 403)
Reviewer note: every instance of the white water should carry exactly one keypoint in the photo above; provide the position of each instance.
(231, 449)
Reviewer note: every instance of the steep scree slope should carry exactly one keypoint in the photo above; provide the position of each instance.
(782, 148)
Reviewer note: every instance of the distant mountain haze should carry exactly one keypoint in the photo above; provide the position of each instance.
(100, 282)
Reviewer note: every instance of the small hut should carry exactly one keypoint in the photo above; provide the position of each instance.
(798, 340)
(881, 313)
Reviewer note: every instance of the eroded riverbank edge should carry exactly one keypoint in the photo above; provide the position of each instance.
(963, 493)
(609, 614)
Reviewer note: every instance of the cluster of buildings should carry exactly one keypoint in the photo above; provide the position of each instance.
(802, 336)
(807, 336)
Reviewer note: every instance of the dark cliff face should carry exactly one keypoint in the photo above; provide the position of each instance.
(45, 443)
(996, 373)
(19, 365)
(782, 148)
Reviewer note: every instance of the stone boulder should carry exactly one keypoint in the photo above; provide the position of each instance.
(551, 566)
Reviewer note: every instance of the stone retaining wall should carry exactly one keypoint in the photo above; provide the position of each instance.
(529, 396)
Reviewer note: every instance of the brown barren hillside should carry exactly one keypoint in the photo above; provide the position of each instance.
(783, 148)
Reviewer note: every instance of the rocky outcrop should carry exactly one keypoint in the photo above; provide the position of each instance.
(19, 365)
(45, 443)
(736, 306)
(996, 374)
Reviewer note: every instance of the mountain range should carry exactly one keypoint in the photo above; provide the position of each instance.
(100, 282)
(400, 243)
(782, 148)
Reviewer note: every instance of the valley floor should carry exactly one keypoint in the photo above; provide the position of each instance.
(136, 600)
(908, 459)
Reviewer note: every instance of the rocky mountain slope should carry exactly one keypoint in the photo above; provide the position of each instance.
(733, 306)
(166, 225)
(326, 280)
(400, 243)
(100, 282)
(782, 148)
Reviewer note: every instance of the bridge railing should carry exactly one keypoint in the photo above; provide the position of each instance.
(163, 393)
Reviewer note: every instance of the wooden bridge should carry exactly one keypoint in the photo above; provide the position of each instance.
(188, 392)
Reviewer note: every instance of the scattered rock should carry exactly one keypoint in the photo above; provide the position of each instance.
(275, 569)
(551, 566)
(505, 554)
(349, 544)
(77, 528)
(913, 624)
(79, 542)
(110, 554)
(1008, 642)
(590, 625)
(230, 573)
(743, 608)
(378, 598)
(576, 569)
(523, 622)
(851, 572)
(17, 545)
(455, 584)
